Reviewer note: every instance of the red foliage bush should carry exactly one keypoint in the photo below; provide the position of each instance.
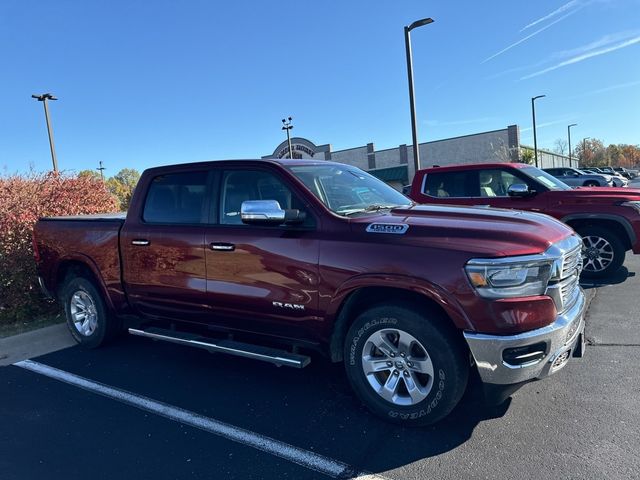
(24, 199)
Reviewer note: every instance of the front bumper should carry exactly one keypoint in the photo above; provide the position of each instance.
(563, 339)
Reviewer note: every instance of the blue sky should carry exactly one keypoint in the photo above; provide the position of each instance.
(145, 83)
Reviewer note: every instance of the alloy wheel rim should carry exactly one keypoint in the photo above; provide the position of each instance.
(397, 367)
(598, 253)
(83, 313)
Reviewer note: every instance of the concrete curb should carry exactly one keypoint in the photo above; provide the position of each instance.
(35, 343)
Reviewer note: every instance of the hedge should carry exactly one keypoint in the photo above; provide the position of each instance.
(24, 199)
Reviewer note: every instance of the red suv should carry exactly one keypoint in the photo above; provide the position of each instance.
(608, 219)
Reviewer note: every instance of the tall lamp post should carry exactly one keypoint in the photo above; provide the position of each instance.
(412, 100)
(101, 169)
(286, 125)
(44, 98)
(569, 138)
(535, 138)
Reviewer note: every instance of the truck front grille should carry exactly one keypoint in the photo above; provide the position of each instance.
(566, 290)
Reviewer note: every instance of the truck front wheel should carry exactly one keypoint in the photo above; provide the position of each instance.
(603, 252)
(405, 366)
(88, 319)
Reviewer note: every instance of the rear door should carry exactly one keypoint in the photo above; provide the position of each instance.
(163, 249)
(259, 278)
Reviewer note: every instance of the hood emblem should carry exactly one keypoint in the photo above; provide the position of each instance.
(394, 228)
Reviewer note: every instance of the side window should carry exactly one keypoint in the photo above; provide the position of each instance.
(452, 184)
(242, 185)
(496, 183)
(176, 198)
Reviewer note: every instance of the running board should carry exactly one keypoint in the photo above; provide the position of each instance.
(231, 347)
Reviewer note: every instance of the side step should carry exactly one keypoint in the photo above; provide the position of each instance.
(256, 352)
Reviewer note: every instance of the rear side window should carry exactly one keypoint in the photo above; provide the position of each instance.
(176, 198)
(452, 184)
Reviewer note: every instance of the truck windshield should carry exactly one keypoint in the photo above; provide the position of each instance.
(549, 181)
(348, 190)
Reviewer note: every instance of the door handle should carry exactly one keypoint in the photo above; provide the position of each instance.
(140, 242)
(222, 247)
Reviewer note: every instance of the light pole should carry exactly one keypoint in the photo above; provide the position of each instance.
(44, 98)
(101, 169)
(286, 125)
(412, 100)
(569, 138)
(535, 138)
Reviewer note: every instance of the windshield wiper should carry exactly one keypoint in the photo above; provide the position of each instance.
(370, 208)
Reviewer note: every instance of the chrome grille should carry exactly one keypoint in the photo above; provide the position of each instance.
(566, 290)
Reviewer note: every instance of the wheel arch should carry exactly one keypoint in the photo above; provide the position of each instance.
(82, 266)
(617, 224)
(350, 302)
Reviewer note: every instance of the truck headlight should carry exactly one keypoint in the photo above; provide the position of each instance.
(502, 278)
(634, 204)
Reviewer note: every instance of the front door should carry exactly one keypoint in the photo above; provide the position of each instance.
(262, 279)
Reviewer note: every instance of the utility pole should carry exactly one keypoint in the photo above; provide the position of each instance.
(412, 100)
(535, 138)
(569, 137)
(286, 125)
(44, 98)
(101, 168)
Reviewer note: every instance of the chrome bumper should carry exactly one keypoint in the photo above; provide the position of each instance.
(563, 338)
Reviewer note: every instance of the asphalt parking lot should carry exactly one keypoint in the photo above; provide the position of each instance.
(245, 419)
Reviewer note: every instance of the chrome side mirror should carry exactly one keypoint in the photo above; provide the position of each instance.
(518, 190)
(268, 212)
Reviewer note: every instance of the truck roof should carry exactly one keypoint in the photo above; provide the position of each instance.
(474, 166)
(209, 163)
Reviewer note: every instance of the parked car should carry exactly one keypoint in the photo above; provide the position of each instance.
(578, 178)
(624, 172)
(268, 259)
(608, 219)
(618, 180)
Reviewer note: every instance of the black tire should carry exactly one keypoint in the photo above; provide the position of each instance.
(107, 326)
(591, 183)
(616, 248)
(450, 363)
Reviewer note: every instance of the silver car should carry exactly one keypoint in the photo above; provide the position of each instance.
(577, 178)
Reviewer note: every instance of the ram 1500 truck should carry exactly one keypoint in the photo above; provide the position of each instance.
(608, 219)
(272, 259)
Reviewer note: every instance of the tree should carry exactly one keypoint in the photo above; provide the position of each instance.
(560, 146)
(591, 153)
(89, 174)
(527, 156)
(122, 185)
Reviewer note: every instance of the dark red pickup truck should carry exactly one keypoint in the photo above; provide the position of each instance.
(271, 259)
(608, 219)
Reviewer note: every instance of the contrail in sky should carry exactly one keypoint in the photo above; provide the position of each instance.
(585, 56)
(557, 11)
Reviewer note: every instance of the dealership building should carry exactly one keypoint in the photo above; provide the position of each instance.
(395, 165)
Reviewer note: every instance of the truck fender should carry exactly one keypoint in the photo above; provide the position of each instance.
(605, 216)
(93, 268)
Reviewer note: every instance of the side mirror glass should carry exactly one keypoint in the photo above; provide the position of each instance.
(268, 212)
(519, 190)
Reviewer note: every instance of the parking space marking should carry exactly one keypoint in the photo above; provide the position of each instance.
(305, 458)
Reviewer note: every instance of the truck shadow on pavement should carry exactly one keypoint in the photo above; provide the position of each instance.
(616, 278)
(312, 408)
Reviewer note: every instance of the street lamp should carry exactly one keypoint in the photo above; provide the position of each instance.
(412, 100)
(286, 125)
(569, 137)
(44, 98)
(535, 139)
(101, 169)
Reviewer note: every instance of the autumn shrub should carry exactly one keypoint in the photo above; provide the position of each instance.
(24, 199)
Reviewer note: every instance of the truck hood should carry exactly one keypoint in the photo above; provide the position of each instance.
(595, 195)
(480, 231)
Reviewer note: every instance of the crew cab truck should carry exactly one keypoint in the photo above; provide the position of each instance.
(273, 259)
(607, 219)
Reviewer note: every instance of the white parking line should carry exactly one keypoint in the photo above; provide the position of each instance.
(305, 458)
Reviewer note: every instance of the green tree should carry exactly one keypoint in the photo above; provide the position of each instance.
(89, 174)
(122, 185)
(527, 156)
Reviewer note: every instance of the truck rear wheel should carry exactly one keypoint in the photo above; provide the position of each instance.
(404, 366)
(88, 319)
(603, 252)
